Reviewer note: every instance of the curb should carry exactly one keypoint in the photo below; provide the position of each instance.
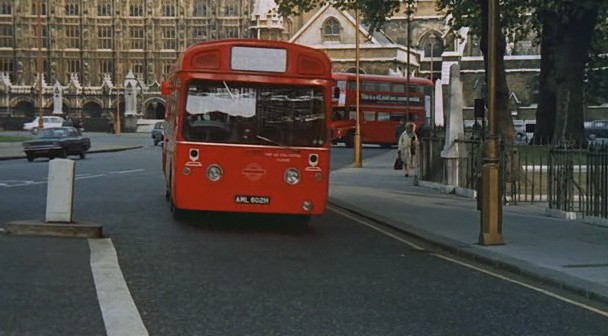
(72, 230)
(537, 274)
(107, 150)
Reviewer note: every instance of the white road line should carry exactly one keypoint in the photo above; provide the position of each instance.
(88, 176)
(356, 219)
(471, 266)
(536, 289)
(120, 315)
(127, 171)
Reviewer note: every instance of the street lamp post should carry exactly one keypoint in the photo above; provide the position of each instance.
(39, 64)
(358, 145)
(491, 197)
(409, 45)
(432, 41)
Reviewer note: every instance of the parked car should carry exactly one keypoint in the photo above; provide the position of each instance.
(57, 142)
(158, 132)
(596, 132)
(47, 121)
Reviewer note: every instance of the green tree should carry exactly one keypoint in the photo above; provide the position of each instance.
(474, 14)
(373, 12)
(566, 29)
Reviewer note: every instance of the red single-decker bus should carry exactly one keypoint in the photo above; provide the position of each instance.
(247, 129)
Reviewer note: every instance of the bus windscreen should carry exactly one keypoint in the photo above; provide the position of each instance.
(249, 113)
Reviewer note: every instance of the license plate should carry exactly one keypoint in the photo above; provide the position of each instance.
(248, 199)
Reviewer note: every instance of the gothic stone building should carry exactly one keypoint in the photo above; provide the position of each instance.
(89, 47)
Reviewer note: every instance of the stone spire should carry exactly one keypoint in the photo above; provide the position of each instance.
(265, 17)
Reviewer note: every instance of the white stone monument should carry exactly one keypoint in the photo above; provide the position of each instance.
(453, 152)
(57, 98)
(131, 92)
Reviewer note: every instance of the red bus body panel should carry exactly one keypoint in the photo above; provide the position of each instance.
(256, 171)
(251, 171)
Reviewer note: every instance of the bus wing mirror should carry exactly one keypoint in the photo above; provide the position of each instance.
(166, 88)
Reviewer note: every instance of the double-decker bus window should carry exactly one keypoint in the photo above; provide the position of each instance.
(369, 86)
(339, 114)
(385, 87)
(248, 113)
(369, 116)
(384, 116)
(398, 116)
(398, 88)
(414, 117)
(352, 114)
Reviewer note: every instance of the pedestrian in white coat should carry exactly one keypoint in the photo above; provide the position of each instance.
(408, 148)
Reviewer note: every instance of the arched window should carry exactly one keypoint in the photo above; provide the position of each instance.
(331, 30)
(6, 7)
(432, 45)
(331, 27)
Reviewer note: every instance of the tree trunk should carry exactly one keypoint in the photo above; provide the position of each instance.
(571, 55)
(504, 121)
(547, 96)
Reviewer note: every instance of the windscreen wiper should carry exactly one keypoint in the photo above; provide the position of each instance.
(277, 143)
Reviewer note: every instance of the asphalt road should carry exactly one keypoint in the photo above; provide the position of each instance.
(243, 275)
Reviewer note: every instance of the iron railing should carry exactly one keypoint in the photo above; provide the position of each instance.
(564, 177)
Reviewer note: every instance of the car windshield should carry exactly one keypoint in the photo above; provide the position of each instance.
(246, 113)
(54, 133)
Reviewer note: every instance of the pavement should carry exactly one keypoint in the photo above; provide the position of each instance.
(568, 254)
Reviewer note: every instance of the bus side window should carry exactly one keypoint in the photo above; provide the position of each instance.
(413, 117)
(370, 116)
(384, 116)
(352, 115)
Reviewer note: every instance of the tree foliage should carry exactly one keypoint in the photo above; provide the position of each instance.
(373, 12)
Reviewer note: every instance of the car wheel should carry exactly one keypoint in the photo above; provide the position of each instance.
(63, 154)
(35, 130)
(83, 155)
(155, 142)
(349, 140)
(30, 157)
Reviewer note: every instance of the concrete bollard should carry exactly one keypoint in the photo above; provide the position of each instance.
(60, 191)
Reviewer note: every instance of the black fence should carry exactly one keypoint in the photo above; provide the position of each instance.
(563, 177)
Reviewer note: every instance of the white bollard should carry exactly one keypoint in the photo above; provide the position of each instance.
(60, 191)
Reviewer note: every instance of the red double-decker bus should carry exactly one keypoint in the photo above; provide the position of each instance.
(383, 103)
(247, 129)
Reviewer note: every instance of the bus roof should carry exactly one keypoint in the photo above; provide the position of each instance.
(272, 58)
(381, 78)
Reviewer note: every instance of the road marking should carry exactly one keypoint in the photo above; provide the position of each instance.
(534, 288)
(25, 183)
(127, 171)
(360, 221)
(471, 266)
(84, 177)
(120, 315)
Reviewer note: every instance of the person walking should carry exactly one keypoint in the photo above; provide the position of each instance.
(399, 130)
(408, 148)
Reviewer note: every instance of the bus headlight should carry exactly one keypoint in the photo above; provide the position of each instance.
(292, 176)
(214, 172)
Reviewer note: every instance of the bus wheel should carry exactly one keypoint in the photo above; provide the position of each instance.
(177, 213)
(349, 140)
